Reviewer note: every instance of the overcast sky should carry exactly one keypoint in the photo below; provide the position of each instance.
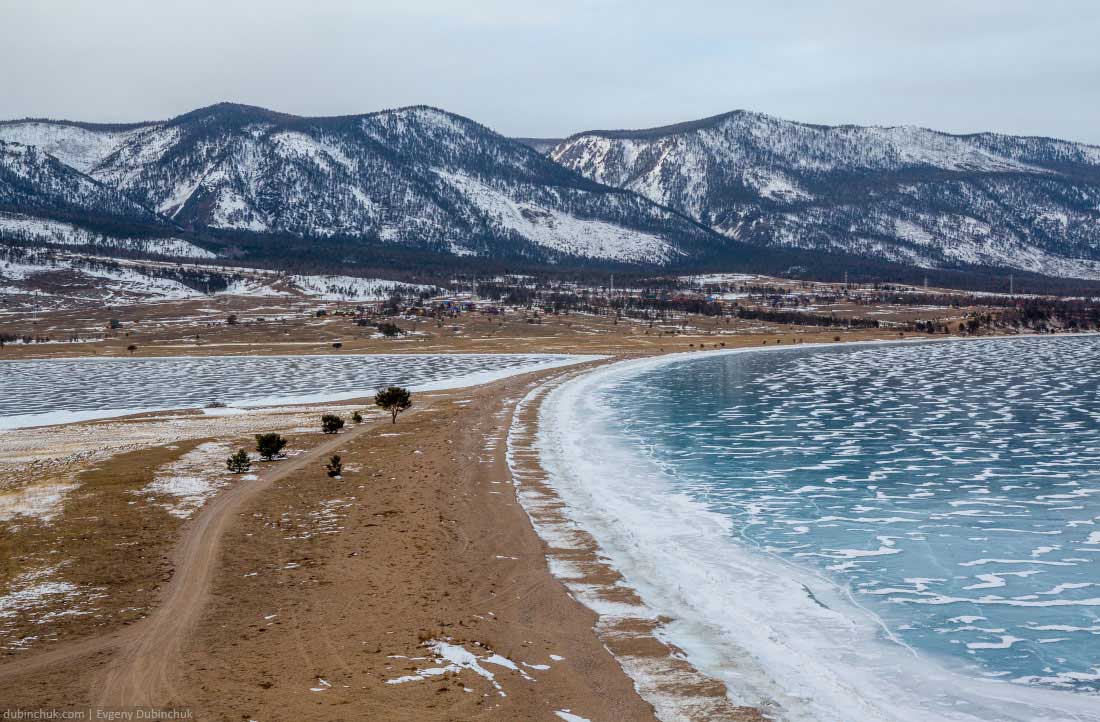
(555, 67)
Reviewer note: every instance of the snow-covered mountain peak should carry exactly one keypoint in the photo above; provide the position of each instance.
(417, 176)
(79, 146)
(244, 177)
(904, 193)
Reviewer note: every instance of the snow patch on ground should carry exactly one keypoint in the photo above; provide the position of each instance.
(190, 481)
(41, 501)
(454, 658)
(39, 597)
(569, 717)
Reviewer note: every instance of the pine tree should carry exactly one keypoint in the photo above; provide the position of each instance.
(334, 466)
(331, 423)
(269, 445)
(394, 399)
(239, 463)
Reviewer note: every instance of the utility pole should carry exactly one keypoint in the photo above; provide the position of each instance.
(1011, 285)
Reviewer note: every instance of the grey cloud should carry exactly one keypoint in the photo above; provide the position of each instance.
(538, 68)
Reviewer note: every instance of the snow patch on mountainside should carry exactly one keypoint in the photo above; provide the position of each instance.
(323, 154)
(232, 210)
(124, 168)
(560, 231)
(774, 185)
(78, 147)
(932, 241)
(121, 283)
(353, 288)
(40, 230)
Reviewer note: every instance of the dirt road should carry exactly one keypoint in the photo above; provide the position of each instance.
(146, 655)
(147, 662)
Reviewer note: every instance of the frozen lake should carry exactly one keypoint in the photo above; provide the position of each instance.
(48, 391)
(894, 532)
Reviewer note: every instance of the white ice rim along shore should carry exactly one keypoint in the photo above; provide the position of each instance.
(780, 638)
(466, 380)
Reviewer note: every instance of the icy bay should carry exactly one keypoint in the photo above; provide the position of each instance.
(940, 499)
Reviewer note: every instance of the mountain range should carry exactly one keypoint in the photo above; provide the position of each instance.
(416, 177)
(739, 190)
(904, 194)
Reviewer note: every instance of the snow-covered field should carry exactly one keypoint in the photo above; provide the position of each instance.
(117, 282)
(123, 282)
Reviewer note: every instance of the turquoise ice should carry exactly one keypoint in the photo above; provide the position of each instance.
(952, 488)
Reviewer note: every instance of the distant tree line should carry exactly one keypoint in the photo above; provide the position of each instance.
(799, 318)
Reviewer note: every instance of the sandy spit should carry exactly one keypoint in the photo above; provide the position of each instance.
(413, 587)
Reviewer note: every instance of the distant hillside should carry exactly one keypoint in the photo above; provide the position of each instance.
(33, 180)
(417, 177)
(907, 195)
(422, 189)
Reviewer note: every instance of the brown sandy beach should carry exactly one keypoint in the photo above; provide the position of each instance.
(296, 596)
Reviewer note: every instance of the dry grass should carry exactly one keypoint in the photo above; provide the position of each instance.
(199, 328)
(107, 541)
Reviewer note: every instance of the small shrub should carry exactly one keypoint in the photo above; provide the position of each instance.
(216, 405)
(357, 417)
(331, 423)
(239, 463)
(269, 445)
(334, 467)
(131, 348)
(389, 330)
